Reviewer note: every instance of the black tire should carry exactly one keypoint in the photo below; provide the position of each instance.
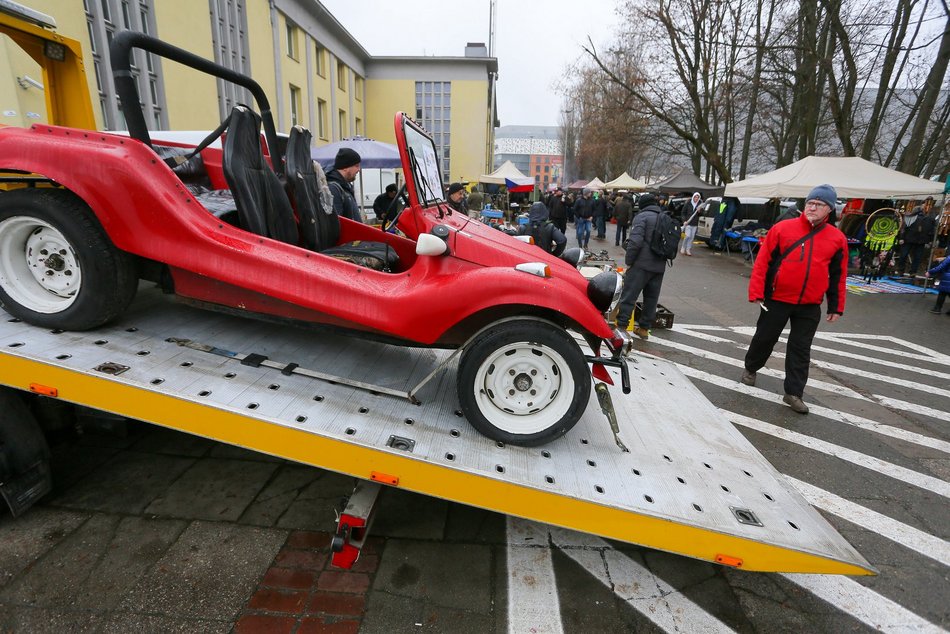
(35, 285)
(523, 382)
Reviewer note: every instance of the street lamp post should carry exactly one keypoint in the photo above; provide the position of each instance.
(569, 121)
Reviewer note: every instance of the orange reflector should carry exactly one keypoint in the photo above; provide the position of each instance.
(385, 478)
(45, 390)
(726, 560)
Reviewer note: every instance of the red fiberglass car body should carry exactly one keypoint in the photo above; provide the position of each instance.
(71, 255)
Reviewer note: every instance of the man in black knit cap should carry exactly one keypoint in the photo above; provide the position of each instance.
(340, 179)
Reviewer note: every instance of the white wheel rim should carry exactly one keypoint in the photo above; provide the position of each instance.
(524, 388)
(38, 267)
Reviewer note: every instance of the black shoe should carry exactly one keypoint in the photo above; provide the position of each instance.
(796, 403)
(935, 311)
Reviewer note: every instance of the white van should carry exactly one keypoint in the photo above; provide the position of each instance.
(750, 210)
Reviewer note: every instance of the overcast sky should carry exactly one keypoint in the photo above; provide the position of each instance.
(534, 41)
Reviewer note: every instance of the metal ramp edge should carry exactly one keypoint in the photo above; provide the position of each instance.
(692, 484)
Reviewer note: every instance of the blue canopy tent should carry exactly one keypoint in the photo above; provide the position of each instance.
(373, 155)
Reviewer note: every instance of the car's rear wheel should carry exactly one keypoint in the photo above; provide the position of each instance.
(58, 268)
(523, 382)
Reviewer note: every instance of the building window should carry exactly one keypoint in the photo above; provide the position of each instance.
(229, 40)
(343, 126)
(291, 40)
(322, 118)
(294, 105)
(321, 61)
(341, 76)
(358, 125)
(433, 111)
(358, 88)
(103, 19)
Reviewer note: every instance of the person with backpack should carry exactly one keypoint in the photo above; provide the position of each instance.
(653, 243)
(800, 261)
(545, 233)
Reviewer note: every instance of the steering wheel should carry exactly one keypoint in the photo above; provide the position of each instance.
(404, 197)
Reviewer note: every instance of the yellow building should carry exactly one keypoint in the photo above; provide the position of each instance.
(315, 73)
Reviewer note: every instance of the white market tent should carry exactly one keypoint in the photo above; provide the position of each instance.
(852, 177)
(625, 181)
(595, 184)
(505, 170)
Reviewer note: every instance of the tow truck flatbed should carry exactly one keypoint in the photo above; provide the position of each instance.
(691, 483)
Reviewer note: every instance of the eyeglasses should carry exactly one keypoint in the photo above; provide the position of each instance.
(816, 204)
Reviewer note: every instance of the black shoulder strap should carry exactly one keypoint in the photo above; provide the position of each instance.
(777, 262)
(175, 161)
(800, 241)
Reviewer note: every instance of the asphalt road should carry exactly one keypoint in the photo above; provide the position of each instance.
(158, 531)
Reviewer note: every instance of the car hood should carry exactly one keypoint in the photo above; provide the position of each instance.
(480, 244)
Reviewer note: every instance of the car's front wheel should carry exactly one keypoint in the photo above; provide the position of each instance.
(58, 268)
(523, 382)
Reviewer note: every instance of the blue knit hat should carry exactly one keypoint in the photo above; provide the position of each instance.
(824, 193)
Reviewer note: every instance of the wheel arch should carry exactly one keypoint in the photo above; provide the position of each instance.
(478, 321)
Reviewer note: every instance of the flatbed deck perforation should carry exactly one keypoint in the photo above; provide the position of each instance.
(677, 490)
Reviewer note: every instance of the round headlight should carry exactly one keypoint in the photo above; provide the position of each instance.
(604, 290)
(573, 256)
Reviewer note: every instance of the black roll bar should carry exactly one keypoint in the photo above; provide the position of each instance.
(120, 53)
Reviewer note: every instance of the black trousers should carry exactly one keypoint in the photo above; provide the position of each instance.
(636, 281)
(804, 320)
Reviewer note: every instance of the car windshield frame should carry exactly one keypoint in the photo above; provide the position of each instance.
(424, 163)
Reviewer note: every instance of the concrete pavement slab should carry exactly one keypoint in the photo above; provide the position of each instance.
(152, 624)
(213, 489)
(71, 461)
(405, 514)
(279, 493)
(469, 524)
(48, 621)
(313, 508)
(126, 484)
(209, 573)
(28, 538)
(455, 576)
(94, 567)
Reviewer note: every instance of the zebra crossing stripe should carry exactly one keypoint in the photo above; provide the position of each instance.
(827, 365)
(921, 480)
(898, 532)
(533, 603)
(848, 419)
(634, 583)
(863, 604)
(926, 354)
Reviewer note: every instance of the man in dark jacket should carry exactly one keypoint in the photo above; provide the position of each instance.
(346, 166)
(623, 210)
(385, 203)
(915, 237)
(546, 235)
(600, 214)
(800, 261)
(558, 210)
(644, 270)
(583, 212)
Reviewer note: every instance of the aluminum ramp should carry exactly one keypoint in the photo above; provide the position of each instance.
(691, 484)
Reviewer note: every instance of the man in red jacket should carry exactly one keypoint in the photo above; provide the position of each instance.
(800, 261)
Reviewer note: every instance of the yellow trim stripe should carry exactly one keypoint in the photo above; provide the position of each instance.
(105, 393)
